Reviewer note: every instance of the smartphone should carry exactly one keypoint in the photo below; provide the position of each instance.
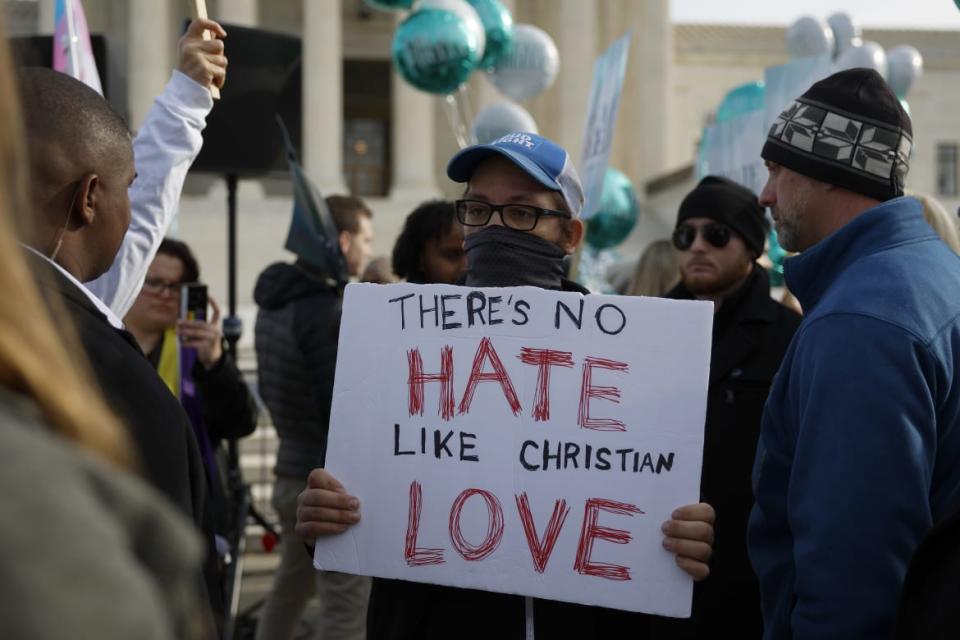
(193, 302)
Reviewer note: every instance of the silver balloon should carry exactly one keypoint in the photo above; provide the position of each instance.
(497, 120)
(465, 12)
(846, 32)
(530, 68)
(869, 54)
(809, 37)
(904, 66)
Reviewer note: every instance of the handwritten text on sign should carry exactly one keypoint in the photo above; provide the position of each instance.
(519, 440)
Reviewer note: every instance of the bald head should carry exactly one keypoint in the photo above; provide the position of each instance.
(63, 113)
(81, 163)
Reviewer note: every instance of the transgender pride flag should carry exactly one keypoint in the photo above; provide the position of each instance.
(72, 53)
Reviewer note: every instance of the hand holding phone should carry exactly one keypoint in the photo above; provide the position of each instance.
(193, 301)
(193, 328)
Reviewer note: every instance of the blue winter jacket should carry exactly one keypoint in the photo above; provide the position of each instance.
(860, 443)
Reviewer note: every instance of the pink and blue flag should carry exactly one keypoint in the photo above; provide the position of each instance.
(72, 52)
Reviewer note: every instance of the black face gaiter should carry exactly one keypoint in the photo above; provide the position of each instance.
(502, 257)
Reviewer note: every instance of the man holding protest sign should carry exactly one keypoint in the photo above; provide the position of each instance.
(521, 218)
(859, 451)
(719, 235)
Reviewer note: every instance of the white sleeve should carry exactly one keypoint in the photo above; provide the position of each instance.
(163, 151)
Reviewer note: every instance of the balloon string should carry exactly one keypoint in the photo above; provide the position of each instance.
(456, 121)
(466, 111)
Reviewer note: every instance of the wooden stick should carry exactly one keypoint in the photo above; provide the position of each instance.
(200, 11)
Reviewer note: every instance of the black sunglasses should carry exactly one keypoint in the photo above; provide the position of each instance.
(716, 234)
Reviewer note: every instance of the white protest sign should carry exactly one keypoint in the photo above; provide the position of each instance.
(519, 440)
(604, 101)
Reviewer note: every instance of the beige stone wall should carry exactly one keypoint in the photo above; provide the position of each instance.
(675, 77)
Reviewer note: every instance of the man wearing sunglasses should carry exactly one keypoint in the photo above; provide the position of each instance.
(719, 235)
(520, 215)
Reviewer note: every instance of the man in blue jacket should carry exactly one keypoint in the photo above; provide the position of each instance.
(860, 444)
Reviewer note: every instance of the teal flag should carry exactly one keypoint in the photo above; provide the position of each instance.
(313, 236)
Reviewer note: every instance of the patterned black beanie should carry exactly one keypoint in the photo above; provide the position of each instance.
(732, 204)
(848, 130)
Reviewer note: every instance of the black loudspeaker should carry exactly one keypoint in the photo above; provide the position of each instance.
(263, 80)
(37, 51)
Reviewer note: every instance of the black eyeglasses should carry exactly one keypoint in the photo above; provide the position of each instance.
(716, 234)
(157, 286)
(522, 217)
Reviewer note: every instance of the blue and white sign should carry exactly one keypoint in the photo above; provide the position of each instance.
(731, 149)
(608, 74)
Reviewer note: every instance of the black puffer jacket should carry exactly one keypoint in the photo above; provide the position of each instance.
(296, 340)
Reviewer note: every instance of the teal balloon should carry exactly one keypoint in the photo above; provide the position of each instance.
(618, 212)
(391, 5)
(742, 100)
(777, 254)
(435, 51)
(498, 25)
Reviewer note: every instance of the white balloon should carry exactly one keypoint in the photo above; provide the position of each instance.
(465, 12)
(846, 32)
(497, 120)
(904, 66)
(869, 54)
(531, 66)
(808, 37)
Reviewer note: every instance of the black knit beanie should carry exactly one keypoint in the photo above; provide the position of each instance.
(848, 130)
(732, 204)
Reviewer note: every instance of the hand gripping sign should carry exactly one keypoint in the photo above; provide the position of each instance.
(519, 440)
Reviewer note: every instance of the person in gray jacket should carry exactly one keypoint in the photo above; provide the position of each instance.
(296, 340)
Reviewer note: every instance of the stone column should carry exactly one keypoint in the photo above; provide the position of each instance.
(151, 47)
(575, 35)
(239, 12)
(413, 143)
(323, 95)
(645, 111)
(45, 15)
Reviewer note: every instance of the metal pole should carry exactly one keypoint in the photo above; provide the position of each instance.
(232, 329)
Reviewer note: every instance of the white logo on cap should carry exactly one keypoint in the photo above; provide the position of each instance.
(521, 139)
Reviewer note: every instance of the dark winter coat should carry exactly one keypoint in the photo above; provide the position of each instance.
(157, 424)
(751, 333)
(296, 339)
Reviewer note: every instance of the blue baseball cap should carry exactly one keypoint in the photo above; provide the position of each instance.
(543, 160)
